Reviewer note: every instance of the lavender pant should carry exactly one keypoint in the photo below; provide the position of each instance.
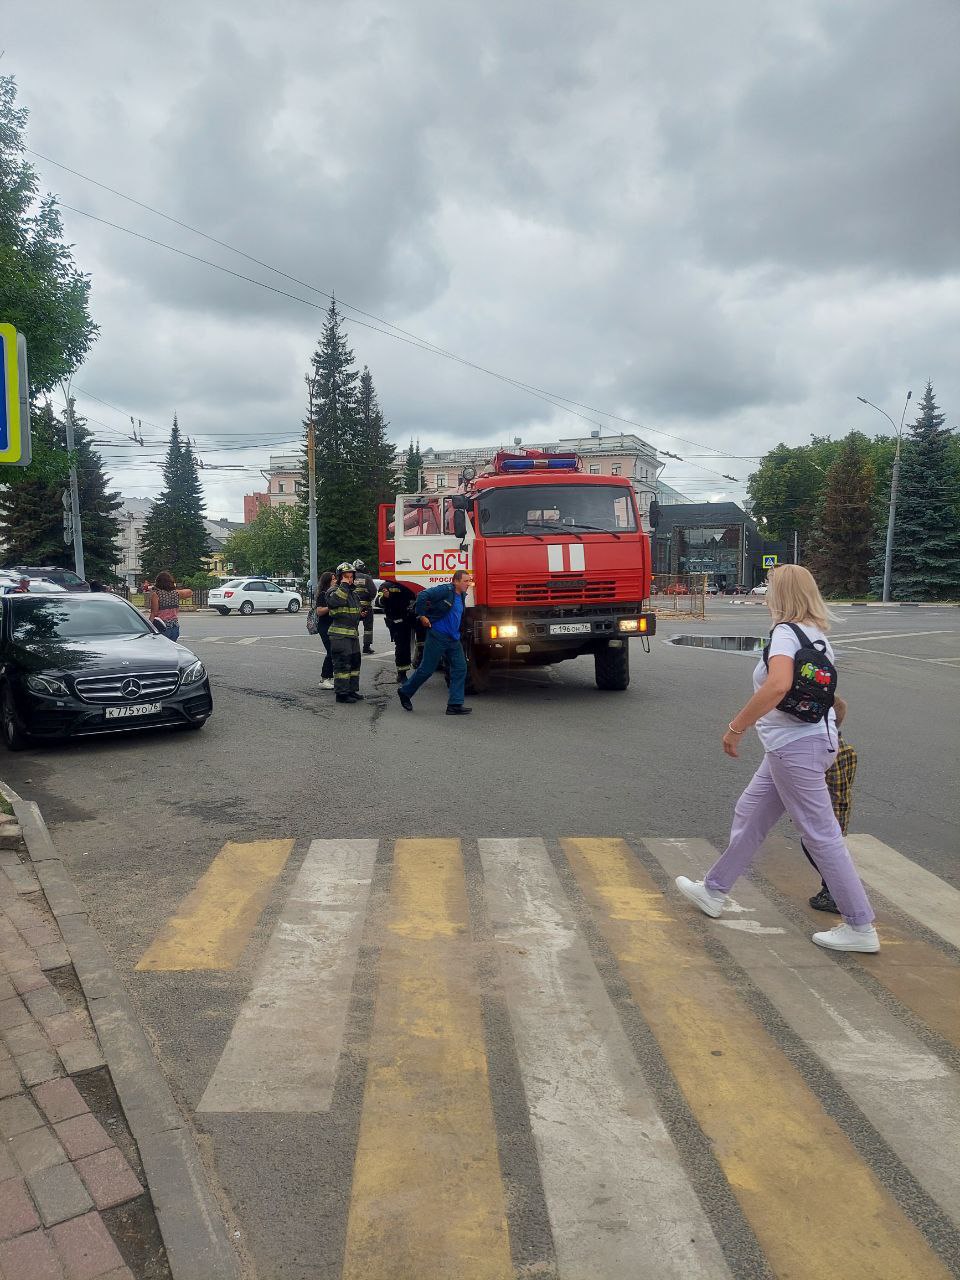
(791, 780)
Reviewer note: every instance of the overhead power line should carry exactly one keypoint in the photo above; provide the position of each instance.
(385, 327)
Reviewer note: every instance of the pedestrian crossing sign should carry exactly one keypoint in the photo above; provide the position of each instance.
(771, 562)
(14, 398)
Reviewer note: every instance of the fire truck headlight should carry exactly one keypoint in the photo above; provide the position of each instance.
(507, 631)
(632, 624)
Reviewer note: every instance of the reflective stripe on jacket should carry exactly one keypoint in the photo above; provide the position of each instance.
(344, 605)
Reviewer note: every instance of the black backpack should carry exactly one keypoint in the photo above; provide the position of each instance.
(814, 678)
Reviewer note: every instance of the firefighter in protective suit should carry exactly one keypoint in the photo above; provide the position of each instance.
(365, 584)
(345, 606)
(397, 605)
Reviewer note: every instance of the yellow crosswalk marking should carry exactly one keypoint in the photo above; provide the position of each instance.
(213, 923)
(427, 1196)
(814, 1205)
(919, 975)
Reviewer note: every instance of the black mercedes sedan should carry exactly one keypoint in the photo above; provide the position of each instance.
(73, 665)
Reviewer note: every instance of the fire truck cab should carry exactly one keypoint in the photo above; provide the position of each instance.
(560, 562)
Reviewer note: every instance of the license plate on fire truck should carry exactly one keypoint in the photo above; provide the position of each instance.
(570, 628)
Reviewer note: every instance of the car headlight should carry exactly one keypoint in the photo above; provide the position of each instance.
(193, 673)
(48, 685)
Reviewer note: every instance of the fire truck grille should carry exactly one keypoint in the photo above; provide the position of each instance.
(566, 590)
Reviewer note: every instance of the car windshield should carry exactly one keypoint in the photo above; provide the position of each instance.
(567, 508)
(73, 618)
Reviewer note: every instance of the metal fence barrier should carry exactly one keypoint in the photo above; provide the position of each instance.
(679, 595)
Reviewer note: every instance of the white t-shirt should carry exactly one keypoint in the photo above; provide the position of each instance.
(777, 728)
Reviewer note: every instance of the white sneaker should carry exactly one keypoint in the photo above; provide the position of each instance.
(326, 684)
(709, 901)
(845, 938)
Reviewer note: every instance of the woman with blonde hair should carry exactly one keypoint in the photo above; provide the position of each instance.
(792, 776)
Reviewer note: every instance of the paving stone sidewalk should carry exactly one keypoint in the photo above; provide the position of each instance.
(72, 1200)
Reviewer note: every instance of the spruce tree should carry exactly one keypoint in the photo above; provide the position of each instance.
(842, 538)
(31, 512)
(926, 533)
(412, 469)
(343, 501)
(379, 462)
(174, 535)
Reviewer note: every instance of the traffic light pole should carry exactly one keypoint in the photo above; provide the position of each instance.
(74, 493)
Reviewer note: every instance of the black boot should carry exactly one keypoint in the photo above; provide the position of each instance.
(823, 901)
(459, 709)
(345, 697)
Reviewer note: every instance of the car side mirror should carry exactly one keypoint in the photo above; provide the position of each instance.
(653, 515)
(460, 524)
(159, 626)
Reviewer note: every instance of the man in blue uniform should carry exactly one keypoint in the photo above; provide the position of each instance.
(440, 612)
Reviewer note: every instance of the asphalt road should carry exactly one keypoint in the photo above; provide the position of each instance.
(141, 819)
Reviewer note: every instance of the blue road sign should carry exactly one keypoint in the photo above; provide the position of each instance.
(770, 562)
(14, 399)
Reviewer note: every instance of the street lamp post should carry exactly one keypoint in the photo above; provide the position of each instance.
(311, 494)
(894, 486)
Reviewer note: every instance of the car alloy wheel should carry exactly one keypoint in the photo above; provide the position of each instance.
(13, 735)
(246, 608)
(293, 606)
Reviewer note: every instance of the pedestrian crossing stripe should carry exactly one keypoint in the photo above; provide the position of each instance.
(799, 1181)
(212, 926)
(922, 977)
(758, 1031)
(427, 1119)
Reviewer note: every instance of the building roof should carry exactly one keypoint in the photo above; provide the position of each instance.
(695, 515)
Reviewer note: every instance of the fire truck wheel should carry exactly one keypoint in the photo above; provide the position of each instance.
(612, 667)
(478, 672)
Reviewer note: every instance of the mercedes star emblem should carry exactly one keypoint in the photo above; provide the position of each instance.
(130, 688)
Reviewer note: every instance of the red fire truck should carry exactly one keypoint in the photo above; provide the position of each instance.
(561, 564)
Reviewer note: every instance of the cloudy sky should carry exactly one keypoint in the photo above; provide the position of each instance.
(722, 222)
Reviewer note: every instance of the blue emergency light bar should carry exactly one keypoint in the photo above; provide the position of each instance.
(557, 463)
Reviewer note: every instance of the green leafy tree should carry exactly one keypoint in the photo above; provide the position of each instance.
(841, 545)
(378, 460)
(42, 292)
(174, 535)
(272, 544)
(785, 492)
(412, 469)
(31, 512)
(926, 534)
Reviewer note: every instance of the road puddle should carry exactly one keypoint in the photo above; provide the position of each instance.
(735, 644)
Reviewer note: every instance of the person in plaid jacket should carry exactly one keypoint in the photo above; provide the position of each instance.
(840, 778)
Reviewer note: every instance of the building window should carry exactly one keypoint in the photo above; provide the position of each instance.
(441, 481)
(279, 486)
(594, 468)
(615, 469)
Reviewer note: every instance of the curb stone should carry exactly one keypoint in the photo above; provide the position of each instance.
(191, 1222)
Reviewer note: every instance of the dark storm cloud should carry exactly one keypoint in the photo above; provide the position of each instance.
(721, 222)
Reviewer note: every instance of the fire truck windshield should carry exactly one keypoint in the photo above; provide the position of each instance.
(568, 508)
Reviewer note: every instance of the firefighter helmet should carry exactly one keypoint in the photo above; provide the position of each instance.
(360, 566)
(344, 567)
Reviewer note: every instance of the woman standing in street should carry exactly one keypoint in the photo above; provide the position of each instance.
(792, 776)
(322, 610)
(165, 604)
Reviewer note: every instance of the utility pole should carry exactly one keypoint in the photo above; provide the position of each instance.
(894, 487)
(74, 491)
(312, 494)
(796, 539)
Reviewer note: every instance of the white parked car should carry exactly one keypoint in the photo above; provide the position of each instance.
(249, 594)
(759, 591)
(39, 586)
